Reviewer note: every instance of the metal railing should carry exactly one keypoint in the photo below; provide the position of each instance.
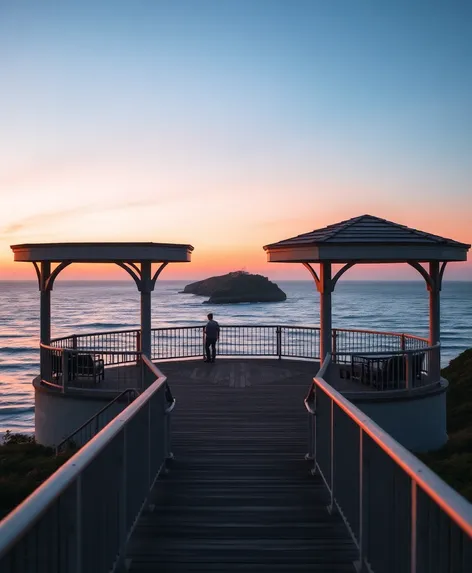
(65, 368)
(95, 423)
(81, 518)
(390, 370)
(236, 340)
(394, 361)
(401, 515)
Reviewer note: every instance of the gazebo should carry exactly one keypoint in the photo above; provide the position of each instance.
(58, 412)
(369, 240)
(135, 258)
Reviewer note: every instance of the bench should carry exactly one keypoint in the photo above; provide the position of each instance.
(386, 372)
(79, 365)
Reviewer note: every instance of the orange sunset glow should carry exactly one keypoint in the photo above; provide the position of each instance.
(113, 143)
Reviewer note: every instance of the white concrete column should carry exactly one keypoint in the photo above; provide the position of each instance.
(435, 313)
(325, 289)
(146, 289)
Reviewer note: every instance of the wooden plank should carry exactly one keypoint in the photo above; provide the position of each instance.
(239, 495)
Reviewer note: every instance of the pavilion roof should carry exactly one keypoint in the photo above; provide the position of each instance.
(103, 252)
(366, 239)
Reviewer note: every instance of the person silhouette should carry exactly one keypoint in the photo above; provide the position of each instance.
(212, 333)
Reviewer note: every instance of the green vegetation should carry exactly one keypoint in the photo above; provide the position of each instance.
(453, 462)
(24, 465)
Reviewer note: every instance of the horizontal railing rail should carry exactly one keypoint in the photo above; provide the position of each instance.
(401, 515)
(81, 518)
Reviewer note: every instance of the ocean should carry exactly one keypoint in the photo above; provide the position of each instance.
(93, 306)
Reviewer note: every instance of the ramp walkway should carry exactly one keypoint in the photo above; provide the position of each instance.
(239, 495)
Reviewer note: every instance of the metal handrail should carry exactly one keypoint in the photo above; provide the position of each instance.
(81, 335)
(296, 326)
(445, 497)
(322, 371)
(23, 518)
(386, 352)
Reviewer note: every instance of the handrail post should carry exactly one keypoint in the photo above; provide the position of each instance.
(138, 346)
(123, 528)
(74, 341)
(169, 454)
(408, 369)
(437, 363)
(360, 565)
(65, 369)
(279, 341)
(402, 342)
(331, 507)
(309, 455)
(414, 510)
(78, 523)
(334, 345)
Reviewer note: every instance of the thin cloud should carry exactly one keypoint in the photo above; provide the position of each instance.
(33, 221)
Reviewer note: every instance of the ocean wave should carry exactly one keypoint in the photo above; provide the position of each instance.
(19, 366)
(9, 410)
(18, 349)
(106, 325)
(3, 335)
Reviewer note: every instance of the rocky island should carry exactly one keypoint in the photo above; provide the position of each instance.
(238, 286)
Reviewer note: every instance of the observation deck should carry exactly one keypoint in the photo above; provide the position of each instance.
(254, 463)
(390, 376)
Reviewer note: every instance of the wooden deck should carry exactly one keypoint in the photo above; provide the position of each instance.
(239, 495)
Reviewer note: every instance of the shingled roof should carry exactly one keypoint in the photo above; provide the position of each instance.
(367, 238)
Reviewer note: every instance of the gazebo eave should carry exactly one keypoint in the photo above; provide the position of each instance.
(102, 252)
(367, 253)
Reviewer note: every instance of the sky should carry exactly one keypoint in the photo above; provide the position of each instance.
(232, 124)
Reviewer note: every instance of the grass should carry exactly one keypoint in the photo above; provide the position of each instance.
(453, 462)
(24, 465)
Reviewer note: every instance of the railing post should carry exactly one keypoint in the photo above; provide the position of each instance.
(360, 565)
(436, 355)
(408, 380)
(45, 362)
(142, 369)
(149, 481)
(334, 345)
(65, 369)
(402, 342)
(414, 516)
(411, 360)
(78, 523)
(169, 454)
(138, 346)
(74, 341)
(310, 455)
(123, 527)
(331, 507)
(279, 341)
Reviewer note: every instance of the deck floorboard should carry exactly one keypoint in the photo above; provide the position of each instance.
(239, 495)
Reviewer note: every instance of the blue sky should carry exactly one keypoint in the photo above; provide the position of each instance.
(257, 120)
